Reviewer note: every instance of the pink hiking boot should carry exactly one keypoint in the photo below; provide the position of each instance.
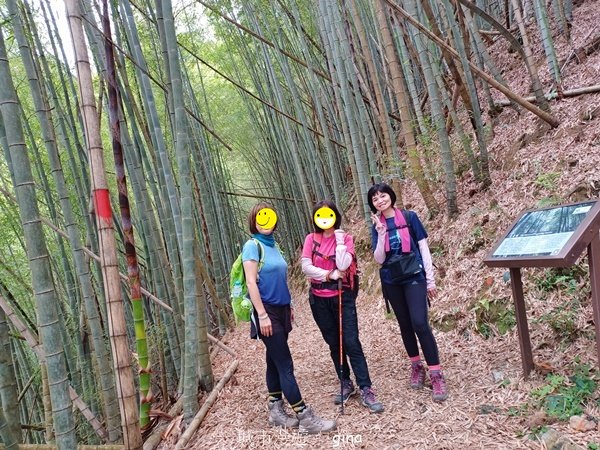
(417, 375)
(438, 385)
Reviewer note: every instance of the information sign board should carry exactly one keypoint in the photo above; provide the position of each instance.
(546, 237)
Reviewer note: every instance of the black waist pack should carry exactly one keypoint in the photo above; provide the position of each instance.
(401, 267)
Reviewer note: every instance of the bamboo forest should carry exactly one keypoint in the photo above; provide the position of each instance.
(136, 136)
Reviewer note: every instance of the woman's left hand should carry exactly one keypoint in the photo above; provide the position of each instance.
(266, 328)
(432, 293)
(340, 236)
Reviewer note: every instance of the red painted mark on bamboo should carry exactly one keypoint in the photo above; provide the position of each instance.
(102, 204)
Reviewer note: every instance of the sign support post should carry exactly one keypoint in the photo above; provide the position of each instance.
(549, 237)
(594, 263)
(521, 316)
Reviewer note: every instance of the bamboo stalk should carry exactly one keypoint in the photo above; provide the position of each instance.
(35, 345)
(218, 343)
(195, 423)
(477, 71)
(45, 294)
(554, 95)
(106, 235)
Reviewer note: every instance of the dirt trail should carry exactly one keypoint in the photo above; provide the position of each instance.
(473, 417)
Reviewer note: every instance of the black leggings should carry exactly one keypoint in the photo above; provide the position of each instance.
(280, 368)
(326, 314)
(409, 302)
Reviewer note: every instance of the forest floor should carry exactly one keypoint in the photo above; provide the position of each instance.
(490, 404)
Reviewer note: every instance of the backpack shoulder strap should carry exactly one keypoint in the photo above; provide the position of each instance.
(261, 253)
(410, 229)
(317, 243)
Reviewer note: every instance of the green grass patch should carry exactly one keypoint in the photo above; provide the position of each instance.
(564, 396)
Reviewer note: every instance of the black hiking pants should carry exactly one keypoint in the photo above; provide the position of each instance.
(409, 302)
(280, 367)
(326, 314)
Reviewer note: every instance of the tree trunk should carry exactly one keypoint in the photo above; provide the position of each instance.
(103, 212)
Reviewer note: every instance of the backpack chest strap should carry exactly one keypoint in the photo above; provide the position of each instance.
(317, 244)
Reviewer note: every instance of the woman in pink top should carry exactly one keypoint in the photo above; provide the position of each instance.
(328, 256)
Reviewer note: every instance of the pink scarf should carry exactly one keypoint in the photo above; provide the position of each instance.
(401, 225)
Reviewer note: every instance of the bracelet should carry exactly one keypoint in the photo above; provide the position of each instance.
(327, 277)
(263, 317)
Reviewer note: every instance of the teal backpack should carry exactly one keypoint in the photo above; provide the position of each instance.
(240, 300)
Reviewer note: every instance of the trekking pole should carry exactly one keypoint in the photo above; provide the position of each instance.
(341, 345)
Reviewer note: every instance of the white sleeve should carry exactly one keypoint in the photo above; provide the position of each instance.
(312, 271)
(343, 259)
(379, 253)
(427, 262)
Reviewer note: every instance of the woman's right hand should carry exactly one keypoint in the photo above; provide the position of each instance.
(337, 274)
(266, 329)
(379, 227)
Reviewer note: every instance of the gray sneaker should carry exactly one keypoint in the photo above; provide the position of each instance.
(370, 401)
(310, 423)
(348, 390)
(279, 418)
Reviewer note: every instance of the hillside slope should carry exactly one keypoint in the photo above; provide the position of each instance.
(490, 403)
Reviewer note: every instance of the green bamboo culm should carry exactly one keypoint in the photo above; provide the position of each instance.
(114, 105)
(109, 263)
(10, 426)
(437, 115)
(47, 124)
(194, 306)
(541, 15)
(37, 253)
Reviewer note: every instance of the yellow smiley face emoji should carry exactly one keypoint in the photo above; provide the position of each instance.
(324, 218)
(266, 218)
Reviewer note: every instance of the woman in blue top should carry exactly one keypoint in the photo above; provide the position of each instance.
(391, 235)
(266, 279)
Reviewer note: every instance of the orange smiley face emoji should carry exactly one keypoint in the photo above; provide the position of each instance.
(324, 218)
(266, 218)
